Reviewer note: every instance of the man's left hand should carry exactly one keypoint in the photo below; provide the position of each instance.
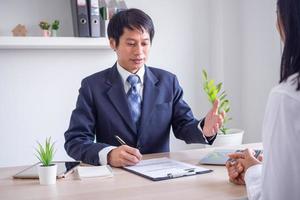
(213, 120)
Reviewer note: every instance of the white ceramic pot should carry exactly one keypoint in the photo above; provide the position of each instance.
(47, 174)
(232, 138)
(53, 33)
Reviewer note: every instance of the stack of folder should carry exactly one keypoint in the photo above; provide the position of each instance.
(90, 17)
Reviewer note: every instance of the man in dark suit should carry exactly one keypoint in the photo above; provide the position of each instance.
(136, 102)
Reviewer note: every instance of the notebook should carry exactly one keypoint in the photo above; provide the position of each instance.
(94, 171)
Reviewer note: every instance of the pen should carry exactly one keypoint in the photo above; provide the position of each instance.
(190, 170)
(186, 172)
(120, 140)
(257, 153)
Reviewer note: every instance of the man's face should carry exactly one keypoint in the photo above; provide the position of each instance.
(133, 49)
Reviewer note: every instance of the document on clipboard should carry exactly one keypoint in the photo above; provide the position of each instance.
(164, 168)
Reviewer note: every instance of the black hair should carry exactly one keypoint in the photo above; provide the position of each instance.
(289, 25)
(132, 19)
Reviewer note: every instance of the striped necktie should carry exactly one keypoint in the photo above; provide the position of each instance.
(134, 99)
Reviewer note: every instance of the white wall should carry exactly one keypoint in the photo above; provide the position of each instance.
(234, 40)
(226, 54)
(39, 87)
(260, 63)
(38, 92)
(31, 12)
(245, 55)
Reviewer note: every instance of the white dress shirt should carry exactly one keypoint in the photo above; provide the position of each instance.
(140, 86)
(278, 177)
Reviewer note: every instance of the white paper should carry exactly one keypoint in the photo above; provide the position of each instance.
(94, 171)
(165, 167)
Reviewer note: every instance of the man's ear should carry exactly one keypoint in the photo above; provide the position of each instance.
(112, 44)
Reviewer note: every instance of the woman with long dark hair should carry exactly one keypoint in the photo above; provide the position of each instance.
(277, 175)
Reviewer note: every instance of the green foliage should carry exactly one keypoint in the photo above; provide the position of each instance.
(55, 25)
(44, 25)
(212, 90)
(45, 153)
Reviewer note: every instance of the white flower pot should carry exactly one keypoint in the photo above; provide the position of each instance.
(232, 138)
(53, 33)
(47, 174)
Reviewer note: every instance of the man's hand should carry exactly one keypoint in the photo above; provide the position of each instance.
(123, 156)
(213, 120)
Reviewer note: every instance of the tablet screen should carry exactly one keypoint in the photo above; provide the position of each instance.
(63, 168)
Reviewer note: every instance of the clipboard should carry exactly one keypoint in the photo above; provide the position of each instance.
(159, 169)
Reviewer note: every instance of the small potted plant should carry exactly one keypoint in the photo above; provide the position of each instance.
(45, 27)
(226, 136)
(47, 169)
(54, 28)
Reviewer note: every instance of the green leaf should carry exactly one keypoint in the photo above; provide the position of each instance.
(211, 83)
(204, 74)
(219, 86)
(227, 110)
(213, 96)
(212, 91)
(224, 103)
(222, 97)
(223, 130)
(45, 153)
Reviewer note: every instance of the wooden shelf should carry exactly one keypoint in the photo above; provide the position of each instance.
(53, 43)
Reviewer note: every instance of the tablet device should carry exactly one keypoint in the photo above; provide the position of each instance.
(63, 168)
(220, 156)
(216, 157)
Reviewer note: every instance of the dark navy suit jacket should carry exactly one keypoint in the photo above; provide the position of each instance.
(102, 111)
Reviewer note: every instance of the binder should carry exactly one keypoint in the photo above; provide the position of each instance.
(103, 18)
(159, 169)
(94, 16)
(80, 17)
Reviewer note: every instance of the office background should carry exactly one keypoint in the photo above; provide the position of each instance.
(235, 40)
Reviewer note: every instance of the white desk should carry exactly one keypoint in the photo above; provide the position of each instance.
(125, 185)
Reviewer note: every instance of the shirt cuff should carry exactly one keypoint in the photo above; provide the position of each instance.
(200, 127)
(253, 180)
(103, 154)
(253, 173)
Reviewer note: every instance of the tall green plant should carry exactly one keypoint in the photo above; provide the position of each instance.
(213, 92)
(45, 153)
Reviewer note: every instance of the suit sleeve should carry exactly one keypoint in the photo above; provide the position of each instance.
(80, 136)
(184, 125)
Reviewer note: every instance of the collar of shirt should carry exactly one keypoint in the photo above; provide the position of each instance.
(124, 74)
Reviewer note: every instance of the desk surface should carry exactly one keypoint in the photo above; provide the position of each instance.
(125, 185)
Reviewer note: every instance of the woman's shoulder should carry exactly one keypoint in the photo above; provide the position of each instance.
(286, 89)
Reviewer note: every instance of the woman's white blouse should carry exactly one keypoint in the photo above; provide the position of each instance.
(279, 176)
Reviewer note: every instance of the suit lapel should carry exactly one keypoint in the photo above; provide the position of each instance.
(149, 97)
(117, 96)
